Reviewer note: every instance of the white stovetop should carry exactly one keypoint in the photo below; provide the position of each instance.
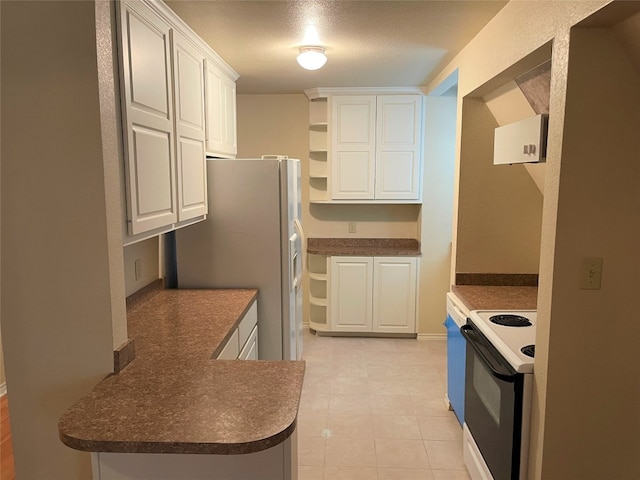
(509, 340)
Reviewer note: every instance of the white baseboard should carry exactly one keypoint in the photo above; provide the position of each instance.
(432, 336)
(3, 389)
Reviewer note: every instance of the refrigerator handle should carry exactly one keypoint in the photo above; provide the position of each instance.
(299, 253)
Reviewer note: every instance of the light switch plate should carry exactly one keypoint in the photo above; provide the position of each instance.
(590, 273)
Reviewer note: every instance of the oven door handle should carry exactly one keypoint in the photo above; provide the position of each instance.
(493, 360)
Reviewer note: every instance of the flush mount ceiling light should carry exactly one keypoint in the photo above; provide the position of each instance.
(311, 57)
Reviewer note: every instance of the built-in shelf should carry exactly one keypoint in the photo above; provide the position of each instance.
(318, 151)
(318, 288)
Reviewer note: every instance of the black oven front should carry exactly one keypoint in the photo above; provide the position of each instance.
(493, 405)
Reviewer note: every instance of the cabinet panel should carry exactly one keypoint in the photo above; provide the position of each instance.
(351, 280)
(193, 179)
(353, 175)
(398, 147)
(250, 349)
(220, 94)
(147, 118)
(397, 175)
(147, 59)
(394, 294)
(189, 87)
(189, 114)
(151, 170)
(352, 153)
(231, 350)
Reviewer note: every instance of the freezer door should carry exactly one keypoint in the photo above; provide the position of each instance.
(292, 280)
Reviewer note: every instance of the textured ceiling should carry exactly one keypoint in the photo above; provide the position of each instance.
(368, 43)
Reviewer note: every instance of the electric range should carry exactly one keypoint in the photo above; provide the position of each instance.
(498, 392)
(510, 331)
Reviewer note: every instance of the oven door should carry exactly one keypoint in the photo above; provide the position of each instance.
(493, 405)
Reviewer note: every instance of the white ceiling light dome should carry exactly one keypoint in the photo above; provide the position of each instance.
(312, 57)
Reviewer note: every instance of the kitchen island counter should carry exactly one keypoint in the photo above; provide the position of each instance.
(175, 397)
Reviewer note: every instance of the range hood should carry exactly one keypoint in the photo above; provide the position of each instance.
(524, 141)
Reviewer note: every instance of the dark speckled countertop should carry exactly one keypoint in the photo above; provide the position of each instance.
(364, 246)
(486, 297)
(173, 398)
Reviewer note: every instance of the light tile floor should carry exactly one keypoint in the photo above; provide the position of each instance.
(373, 409)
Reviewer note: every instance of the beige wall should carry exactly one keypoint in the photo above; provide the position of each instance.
(499, 206)
(598, 201)
(437, 210)
(585, 425)
(56, 302)
(148, 253)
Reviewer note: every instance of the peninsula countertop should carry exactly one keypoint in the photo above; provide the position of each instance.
(175, 398)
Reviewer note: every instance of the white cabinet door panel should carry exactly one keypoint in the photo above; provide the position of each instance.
(250, 349)
(151, 170)
(148, 62)
(351, 282)
(353, 124)
(394, 294)
(220, 95)
(398, 147)
(192, 178)
(188, 79)
(397, 175)
(354, 176)
(189, 87)
(231, 350)
(147, 118)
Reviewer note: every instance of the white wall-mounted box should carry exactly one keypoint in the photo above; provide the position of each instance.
(521, 142)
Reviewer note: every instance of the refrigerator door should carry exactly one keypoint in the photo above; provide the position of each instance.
(292, 260)
(244, 243)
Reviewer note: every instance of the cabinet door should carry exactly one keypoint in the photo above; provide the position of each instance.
(353, 124)
(220, 93)
(147, 108)
(351, 283)
(398, 147)
(188, 71)
(394, 294)
(250, 349)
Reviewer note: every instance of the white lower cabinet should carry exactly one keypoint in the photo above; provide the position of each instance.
(373, 294)
(278, 462)
(243, 344)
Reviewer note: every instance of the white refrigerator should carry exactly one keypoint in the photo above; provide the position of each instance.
(252, 238)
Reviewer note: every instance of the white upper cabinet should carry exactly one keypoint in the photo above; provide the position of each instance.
(163, 84)
(188, 69)
(376, 147)
(353, 143)
(147, 112)
(398, 147)
(220, 92)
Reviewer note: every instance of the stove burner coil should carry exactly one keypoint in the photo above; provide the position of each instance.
(509, 320)
(529, 350)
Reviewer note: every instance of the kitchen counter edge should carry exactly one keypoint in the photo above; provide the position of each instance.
(110, 417)
(390, 247)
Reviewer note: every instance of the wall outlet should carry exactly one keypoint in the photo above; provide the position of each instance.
(352, 227)
(137, 265)
(590, 273)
